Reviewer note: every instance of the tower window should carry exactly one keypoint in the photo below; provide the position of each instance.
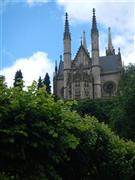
(77, 84)
(70, 92)
(109, 87)
(77, 93)
(86, 84)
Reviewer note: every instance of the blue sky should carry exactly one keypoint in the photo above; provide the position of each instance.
(27, 29)
(32, 32)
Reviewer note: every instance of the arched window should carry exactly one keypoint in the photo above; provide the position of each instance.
(77, 84)
(62, 92)
(77, 93)
(86, 84)
(109, 87)
(70, 90)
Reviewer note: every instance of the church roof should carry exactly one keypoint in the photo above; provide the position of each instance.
(110, 63)
(86, 52)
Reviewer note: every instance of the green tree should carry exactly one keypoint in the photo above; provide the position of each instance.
(100, 108)
(18, 81)
(100, 154)
(123, 113)
(2, 81)
(41, 138)
(46, 82)
(33, 135)
(40, 83)
(2, 78)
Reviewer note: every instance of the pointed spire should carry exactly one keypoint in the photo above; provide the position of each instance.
(60, 57)
(119, 50)
(60, 61)
(119, 53)
(94, 24)
(84, 41)
(110, 50)
(81, 40)
(60, 64)
(66, 32)
(56, 67)
(110, 47)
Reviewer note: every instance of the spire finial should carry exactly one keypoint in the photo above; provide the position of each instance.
(56, 66)
(110, 50)
(119, 50)
(81, 39)
(60, 57)
(66, 15)
(93, 11)
(109, 39)
(66, 32)
(94, 24)
(84, 41)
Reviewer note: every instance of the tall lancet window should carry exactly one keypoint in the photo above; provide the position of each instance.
(77, 89)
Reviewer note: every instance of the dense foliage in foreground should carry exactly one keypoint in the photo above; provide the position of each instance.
(41, 138)
(117, 112)
(123, 113)
(100, 108)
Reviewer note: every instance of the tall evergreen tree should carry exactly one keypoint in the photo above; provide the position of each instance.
(2, 81)
(40, 83)
(47, 83)
(2, 78)
(18, 81)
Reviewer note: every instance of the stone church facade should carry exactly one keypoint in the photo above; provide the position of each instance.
(84, 76)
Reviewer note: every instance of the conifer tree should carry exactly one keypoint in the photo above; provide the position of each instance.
(2, 81)
(40, 83)
(47, 83)
(18, 81)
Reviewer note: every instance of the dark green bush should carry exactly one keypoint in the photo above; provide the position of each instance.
(43, 139)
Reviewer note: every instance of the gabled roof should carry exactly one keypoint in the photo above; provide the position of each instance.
(110, 63)
(85, 51)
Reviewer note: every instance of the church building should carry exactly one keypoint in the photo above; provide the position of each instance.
(87, 76)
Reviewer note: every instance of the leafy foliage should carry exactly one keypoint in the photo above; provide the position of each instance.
(18, 81)
(123, 114)
(46, 82)
(33, 134)
(3, 176)
(43, 139)
(99, 108)
(40, 82)
(100, 154)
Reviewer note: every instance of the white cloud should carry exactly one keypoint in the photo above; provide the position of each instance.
(32, 67)
(119, 15)
(130, 57)
(110, 13)
(5, 3)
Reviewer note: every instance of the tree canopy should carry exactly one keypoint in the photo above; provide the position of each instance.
(46, 82)
(41, 138)
(40, 82)
(18, 81)
(123, 113)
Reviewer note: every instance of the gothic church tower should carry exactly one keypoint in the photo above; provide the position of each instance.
(67, 55)
(85, 76)
(95, 58)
